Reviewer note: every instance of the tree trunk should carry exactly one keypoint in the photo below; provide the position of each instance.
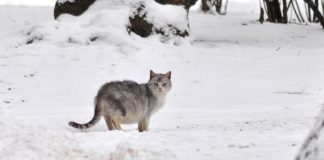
(308, 12)
(318, 14)
(314, 17)
(274, 11)
(218, 6)
(205, 5)
(322, 6)
(285, 10)
(261, 19)
(277, 11)
(225, 7)
(270, 10)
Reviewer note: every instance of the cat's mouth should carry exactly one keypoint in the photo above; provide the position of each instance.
(159, 92)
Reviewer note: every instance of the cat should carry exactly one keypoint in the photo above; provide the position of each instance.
(127, 102)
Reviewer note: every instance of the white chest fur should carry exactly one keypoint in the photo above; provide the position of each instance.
(159, 103)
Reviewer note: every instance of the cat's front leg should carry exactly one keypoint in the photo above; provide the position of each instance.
(143, 124)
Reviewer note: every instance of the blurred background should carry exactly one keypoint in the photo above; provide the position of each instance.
(28, 2)
(52, 2)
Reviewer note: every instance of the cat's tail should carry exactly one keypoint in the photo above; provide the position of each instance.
(92, 122)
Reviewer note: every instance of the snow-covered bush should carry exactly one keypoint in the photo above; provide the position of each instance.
(313, 147)
(119, 19)
(149, 17)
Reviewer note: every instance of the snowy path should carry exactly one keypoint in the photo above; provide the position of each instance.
(241, 91)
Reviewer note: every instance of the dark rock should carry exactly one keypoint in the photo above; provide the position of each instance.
(76, 8)
(94, 38)
(33, 39)
(139, 25)
(6, 101)
(186, 3)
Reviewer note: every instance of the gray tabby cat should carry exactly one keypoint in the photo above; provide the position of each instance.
(128, 102)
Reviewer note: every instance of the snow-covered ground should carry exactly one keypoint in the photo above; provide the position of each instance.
(241, 90)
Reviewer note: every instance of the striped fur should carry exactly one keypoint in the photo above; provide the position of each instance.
(95, 119)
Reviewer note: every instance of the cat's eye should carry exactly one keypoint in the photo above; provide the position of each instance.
(164, 84)
(155, 84)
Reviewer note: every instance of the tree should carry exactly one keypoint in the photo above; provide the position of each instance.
(273, 11)
(275, 15)
(317, 13)
(285, 11)
(208, 5)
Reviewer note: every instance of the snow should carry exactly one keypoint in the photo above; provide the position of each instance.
(105, 21)
(312, 148)
(166, 14)
(28, 3)
(64, 1)
(241, 90)
(29, 142)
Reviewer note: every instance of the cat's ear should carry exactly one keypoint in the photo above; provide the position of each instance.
(168, 74)
(152, 74)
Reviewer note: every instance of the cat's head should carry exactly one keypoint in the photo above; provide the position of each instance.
(160, 84)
